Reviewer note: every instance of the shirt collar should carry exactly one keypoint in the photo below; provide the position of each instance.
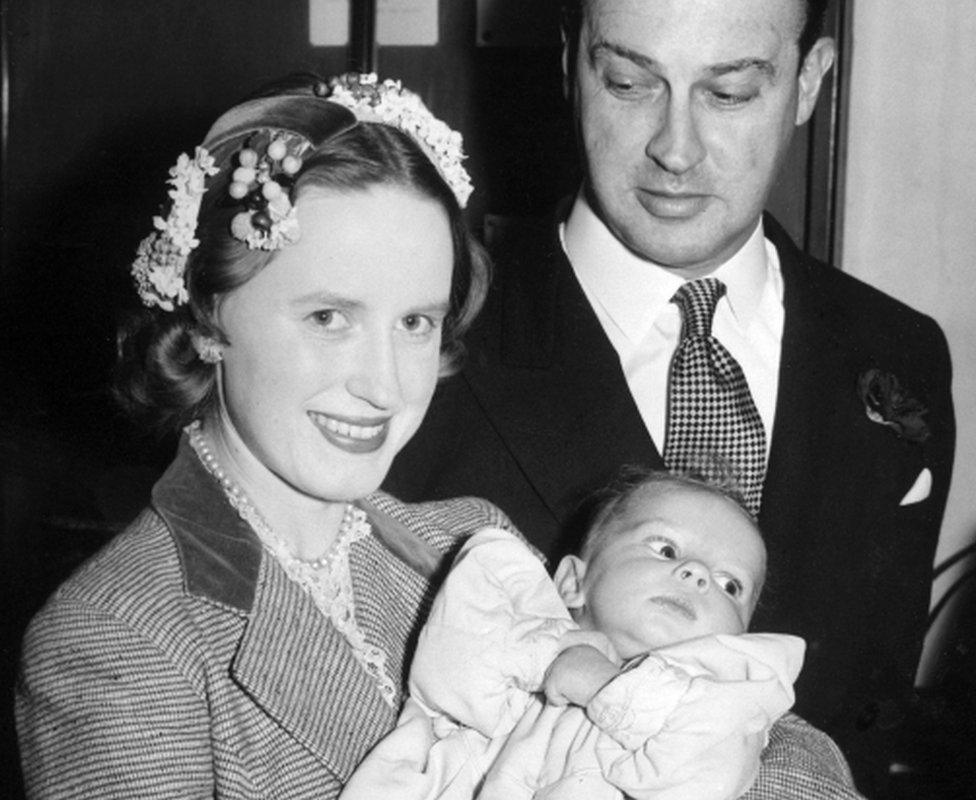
(633, 294)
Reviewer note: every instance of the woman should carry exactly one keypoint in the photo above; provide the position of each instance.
(245, 637)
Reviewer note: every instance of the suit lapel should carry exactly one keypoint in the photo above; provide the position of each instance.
(553, 347)
(814, 389)
(559, 397)
(300, 670)
(290, 660)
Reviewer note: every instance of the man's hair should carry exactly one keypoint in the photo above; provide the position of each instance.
(612, 501)
(813, 25)
(572, 13)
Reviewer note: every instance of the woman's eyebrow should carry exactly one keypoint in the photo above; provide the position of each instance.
(326, 299)
(435, 307)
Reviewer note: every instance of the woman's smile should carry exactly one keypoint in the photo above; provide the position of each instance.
(359, 436)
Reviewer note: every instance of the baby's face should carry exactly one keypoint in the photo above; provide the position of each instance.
(679, 562)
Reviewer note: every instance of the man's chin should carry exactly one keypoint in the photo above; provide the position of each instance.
(687, 259)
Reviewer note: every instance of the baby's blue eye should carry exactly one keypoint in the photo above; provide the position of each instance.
(732, 586)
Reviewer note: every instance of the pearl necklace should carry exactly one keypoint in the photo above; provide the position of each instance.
(326, 579)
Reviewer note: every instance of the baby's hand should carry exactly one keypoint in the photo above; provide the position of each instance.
(592, 638)
(576, 674)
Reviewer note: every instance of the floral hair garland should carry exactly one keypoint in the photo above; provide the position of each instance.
(161, 256)
(388, 102)
(262, 180)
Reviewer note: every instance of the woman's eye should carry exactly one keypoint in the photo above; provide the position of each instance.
(418, 324)
(329, 319)
(664, 548)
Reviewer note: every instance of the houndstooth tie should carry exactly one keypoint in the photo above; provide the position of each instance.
(711, 416)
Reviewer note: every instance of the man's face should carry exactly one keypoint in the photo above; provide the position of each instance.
(686, 109)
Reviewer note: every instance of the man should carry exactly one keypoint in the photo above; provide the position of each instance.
(685, 111)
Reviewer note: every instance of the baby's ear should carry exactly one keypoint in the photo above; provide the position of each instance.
(569, 581)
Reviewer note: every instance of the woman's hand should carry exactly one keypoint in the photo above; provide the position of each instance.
(577, 674)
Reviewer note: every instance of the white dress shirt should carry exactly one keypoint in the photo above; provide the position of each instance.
(631, 298)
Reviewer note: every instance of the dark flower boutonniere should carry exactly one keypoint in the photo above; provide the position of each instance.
(887, 403)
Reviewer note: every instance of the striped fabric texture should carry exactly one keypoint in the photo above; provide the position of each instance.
(802, 763)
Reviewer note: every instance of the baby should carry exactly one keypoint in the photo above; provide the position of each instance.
(651, 686)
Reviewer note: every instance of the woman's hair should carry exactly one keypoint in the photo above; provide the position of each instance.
(160, 378)
(612, 501)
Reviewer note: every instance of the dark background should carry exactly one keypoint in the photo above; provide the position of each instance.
(100, 97)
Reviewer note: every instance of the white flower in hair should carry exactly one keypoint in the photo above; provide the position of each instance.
(388, 102)
(264, 170)
(161, 256)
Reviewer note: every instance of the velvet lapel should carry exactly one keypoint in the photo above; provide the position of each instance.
(553, 387)
(289, 660)
(814, 390)
(219, 552)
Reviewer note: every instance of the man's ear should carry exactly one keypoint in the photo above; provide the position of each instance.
(569, 581)
(814, 69)
(566, 62)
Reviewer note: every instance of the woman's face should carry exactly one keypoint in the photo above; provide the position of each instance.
(334, 347)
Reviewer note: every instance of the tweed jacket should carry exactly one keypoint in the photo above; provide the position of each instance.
(180, 661)
(541, 416)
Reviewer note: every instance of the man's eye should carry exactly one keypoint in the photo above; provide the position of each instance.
(618, 85)
(731, 99)
(630, 88)
(624, 80)
(664, 548)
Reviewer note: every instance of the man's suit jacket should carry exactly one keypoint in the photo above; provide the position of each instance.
(181, 661)
(541, 416)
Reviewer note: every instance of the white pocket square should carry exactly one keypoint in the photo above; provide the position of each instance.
(921, 489)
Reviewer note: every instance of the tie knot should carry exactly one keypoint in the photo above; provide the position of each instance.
(697, 301)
